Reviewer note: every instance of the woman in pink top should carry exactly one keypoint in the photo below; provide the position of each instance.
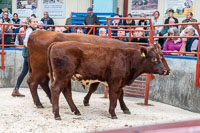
(173, 44)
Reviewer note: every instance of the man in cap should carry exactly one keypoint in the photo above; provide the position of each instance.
(90, 19)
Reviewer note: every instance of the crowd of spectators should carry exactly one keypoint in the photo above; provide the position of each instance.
(137, 36)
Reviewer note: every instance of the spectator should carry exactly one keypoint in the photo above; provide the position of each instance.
(68, 22)
(190, 44)
(19, 38)
(15, 20)
(58, 29)
(158, 30)
(102, 32)
(32, 26)
(143, 22)
(173, 44)
(90, 19)
(5, 10)
(5, 18)
(40, 25)
(166, 28)
(157, 21)
(121, 35)
(115, 22)
(188, 19)
(129, 21)
(7, 38)
(183, 31)
(139, 34)
(80, 31)
(47, 21)
(171, 16)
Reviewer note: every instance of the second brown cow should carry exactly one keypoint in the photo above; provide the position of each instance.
(115, 66)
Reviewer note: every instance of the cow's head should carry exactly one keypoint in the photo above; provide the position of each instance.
(154, 60)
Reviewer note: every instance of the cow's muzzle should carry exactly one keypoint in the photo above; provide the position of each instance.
(166, 72)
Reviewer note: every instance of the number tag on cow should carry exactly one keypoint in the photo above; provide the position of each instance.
(143, 54)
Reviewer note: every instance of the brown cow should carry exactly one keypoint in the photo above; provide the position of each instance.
(38, 44)
(115, 66)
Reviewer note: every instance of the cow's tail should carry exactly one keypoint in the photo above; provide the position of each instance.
(49, 62)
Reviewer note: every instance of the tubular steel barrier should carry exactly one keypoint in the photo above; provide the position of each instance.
(139, 87)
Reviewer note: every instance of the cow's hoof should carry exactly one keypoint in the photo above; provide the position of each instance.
(126, 112)
(58, 118)
(40, 106)
(113, 117)
(86, 103)
(77, 113)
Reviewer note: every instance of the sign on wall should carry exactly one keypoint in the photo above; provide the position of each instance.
(55, 8)
(6, 4)
(144, 6)
(27, 7)
(181, 7)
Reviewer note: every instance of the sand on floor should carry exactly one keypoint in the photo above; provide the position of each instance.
(21, 115)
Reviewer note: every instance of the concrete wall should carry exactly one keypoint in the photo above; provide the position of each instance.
(177, 89)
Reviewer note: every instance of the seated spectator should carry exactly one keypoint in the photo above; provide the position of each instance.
(90, 19)
(80, 31)
(47, 21)
(128, 21)
(121, 35)
(166, 28)
(115, 22)
(173, 44)
(102, 32)
(58, 29)
(40, 25)
(188, 19)
(7, 38)
(5, 18)
(19, 38)
(68, 22)
(183, 31)
(190, 44)
(143, 22)
(139, 34)
(15, 20)
(5, 10)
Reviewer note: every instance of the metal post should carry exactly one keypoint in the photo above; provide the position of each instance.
(198, 58)
(2, 54)
(146, 97)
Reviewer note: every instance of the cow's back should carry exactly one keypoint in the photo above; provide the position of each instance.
(39, 42)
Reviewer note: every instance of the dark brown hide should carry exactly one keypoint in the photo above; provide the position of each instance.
(38, 43)
(116, 66)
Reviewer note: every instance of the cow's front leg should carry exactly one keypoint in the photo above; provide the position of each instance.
(56, 88)
(114, 93)
(123, 106)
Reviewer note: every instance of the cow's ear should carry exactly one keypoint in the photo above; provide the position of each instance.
(143, 52)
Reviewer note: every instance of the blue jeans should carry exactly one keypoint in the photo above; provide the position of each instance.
(23, 73)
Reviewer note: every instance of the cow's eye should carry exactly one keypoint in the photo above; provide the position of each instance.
(154, 59)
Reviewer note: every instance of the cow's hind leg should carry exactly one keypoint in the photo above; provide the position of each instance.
(33, 84)
(67, 92)
(122, 103)
(45, 86)
(56, 88)
(92, 89)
